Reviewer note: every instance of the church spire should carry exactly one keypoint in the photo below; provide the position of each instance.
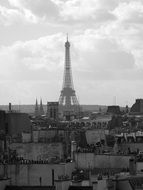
(36, 109)
(41, 108)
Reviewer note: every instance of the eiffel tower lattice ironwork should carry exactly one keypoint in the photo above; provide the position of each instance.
(68, 100)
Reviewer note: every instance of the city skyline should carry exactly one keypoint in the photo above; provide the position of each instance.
(106, 50)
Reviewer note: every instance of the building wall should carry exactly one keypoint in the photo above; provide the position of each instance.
(37, 151)
(18, 123)
(41, 135)
(29, 174)
(47, 134)
(90, 160)
(94, 136)
(2, 120)
(26, 137)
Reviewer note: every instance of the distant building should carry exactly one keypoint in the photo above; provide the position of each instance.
(113, 110)
(53, 110)
(137, 107)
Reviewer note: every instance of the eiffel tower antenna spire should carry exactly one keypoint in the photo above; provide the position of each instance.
(68, 100)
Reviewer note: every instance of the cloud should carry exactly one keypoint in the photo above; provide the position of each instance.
(23, 92)
(129, 38)
(75, 11)
(39, 8)
(131, 12)
(87, 11)
(43, 58)
(32, 59)
(9, 16)
(106, 45)
(72, 11)
(35, 67)
(65, 11)
(97, 51)
(104, 92)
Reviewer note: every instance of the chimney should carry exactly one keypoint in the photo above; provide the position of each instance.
(10, 107)
(53, 177)
(132, 166)
(73, 149)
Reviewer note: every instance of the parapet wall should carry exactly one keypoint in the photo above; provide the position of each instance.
(133, 147)
(37, 151)
(91, 160)
(30, 174)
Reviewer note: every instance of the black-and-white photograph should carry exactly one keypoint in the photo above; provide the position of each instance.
(71, 94)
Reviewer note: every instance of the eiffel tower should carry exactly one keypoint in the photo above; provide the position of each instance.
(68, 102)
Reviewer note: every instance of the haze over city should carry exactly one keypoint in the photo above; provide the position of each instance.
(106, 50)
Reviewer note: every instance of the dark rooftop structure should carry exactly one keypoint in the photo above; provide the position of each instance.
(80, 188)
(113, 110)
(137, 107)
(30, 187)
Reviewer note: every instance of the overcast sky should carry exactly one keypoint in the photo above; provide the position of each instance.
(106, 39)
